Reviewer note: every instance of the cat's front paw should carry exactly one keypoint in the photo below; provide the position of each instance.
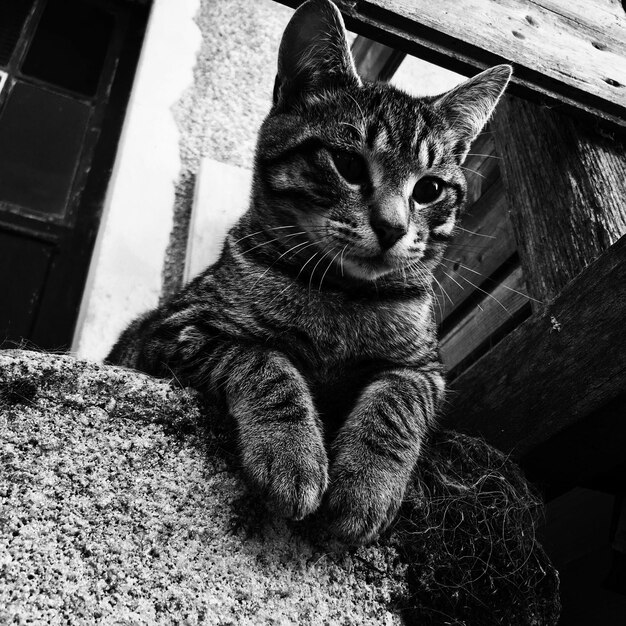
(363, 503)
(289, 465)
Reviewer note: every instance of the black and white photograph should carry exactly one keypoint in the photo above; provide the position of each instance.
(313, 312)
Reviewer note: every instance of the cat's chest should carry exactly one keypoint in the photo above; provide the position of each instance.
(336, 337)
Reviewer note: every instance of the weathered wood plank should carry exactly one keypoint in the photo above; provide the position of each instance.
(570, 52)
(482, 322)
(565, 187)
(556, 368)
(485, 244)
(373, 60)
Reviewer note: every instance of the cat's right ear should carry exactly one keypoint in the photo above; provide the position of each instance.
(314, 52)
(469, 105)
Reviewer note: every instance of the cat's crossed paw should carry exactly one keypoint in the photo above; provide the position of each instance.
(362, 504)
(290, 466)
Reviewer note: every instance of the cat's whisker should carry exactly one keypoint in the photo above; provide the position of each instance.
(486, 293)
(265, 243)
(469, 169)
(326, 271)
(425, 279)
(341, 258)
(519, 293)
(363, 118)
(358, 130)
(489, 156)
(309, 260)
(472, 232)
(299, 245)
(443, 290)
(258, 232)
(454, 280)
(315, 267)
(469, 269)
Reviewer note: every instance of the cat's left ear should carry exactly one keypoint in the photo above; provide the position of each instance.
(314, 52)
(469, 105)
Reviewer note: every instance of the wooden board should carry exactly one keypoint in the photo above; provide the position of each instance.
(570, 51)
(554, 370)
(485, 244)
(499, 308)
(565, 186)
(373, 60)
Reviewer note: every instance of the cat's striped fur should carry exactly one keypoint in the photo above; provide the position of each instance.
(315, 327)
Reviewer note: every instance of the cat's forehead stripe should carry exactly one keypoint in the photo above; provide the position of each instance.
(423, 155)
(433, 153)
(381, 141)
(420, 135)
(380, 136)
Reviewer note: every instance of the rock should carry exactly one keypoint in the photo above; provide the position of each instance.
(117, 505)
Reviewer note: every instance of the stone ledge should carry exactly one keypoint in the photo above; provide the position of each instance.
(116, 507)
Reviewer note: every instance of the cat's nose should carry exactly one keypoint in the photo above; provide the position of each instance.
(388, 233)
(389, 222)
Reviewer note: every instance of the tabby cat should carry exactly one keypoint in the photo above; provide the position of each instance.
(315, 327)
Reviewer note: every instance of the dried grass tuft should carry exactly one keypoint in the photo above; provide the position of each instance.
(468, 531)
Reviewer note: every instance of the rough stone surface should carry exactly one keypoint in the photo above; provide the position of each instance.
(117, 507)
(219, 115)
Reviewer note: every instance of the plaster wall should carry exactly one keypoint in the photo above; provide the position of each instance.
(125, 273)
(221, 111)
(203, 87)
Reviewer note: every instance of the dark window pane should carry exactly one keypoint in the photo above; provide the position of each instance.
(13, 14)
(23, 268)
(70, 45)
(41, 135)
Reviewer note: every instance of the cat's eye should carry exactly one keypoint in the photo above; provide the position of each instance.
(427, 189)
(351, 166)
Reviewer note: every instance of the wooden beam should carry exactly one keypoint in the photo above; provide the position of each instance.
(570, 52)
(482, 245)
(375, 61)
(478, 330)
(565, 186)
(557, 368)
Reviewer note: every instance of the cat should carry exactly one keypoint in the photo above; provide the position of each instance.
(315, 328)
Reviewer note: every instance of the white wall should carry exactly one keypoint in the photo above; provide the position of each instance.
(420, 78)
(125, 273)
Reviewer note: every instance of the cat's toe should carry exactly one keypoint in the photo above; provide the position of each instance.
(360, 512)
(296, 486)
(291, 476)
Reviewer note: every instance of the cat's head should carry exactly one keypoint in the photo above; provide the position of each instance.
(369, 176)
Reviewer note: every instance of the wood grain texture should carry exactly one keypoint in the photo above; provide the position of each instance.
(569, 51)
(485, 244)
(373, 60)
(565, 186)
(554, 37)
(498, 307)
(557, 368)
